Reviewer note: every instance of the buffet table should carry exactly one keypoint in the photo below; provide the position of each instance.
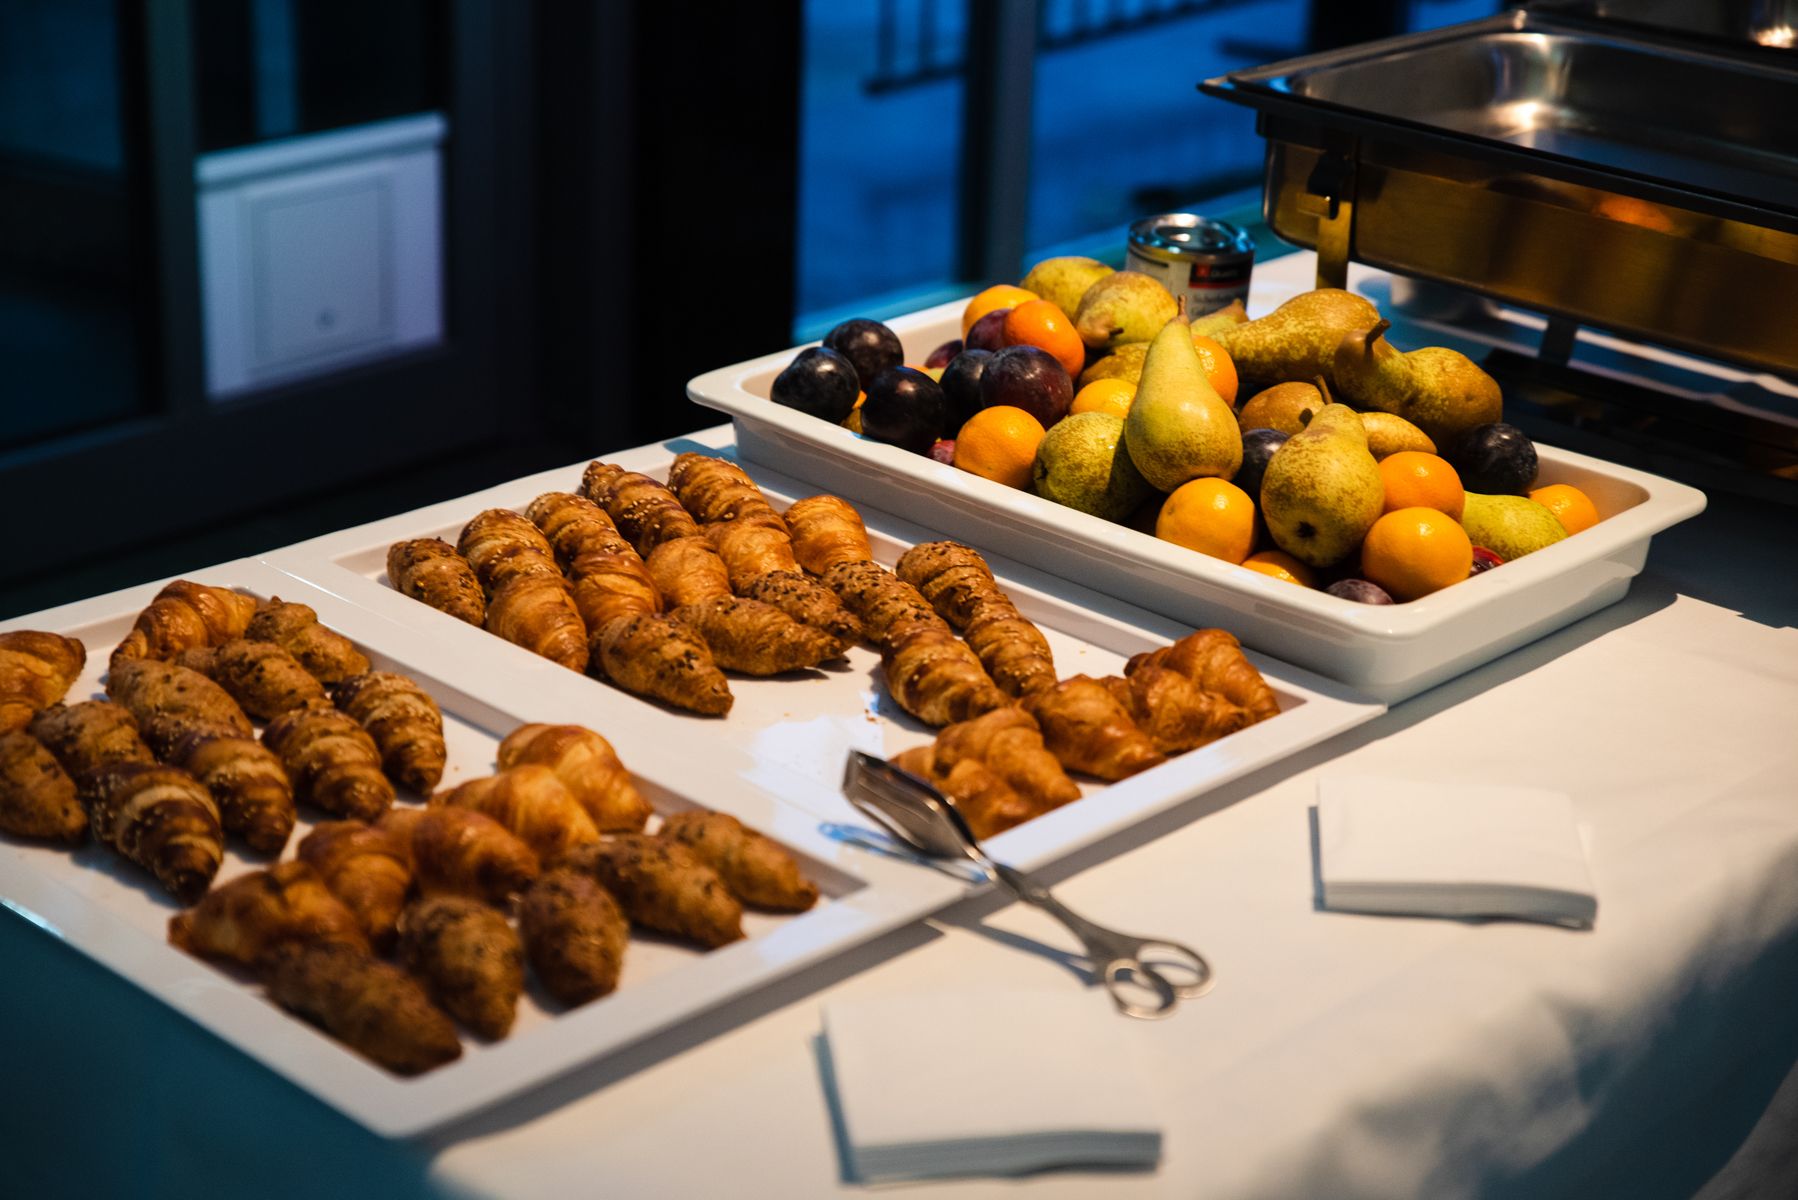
(1338, 1054)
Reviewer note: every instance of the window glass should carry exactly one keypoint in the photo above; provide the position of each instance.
(880, 137)
(68, 345)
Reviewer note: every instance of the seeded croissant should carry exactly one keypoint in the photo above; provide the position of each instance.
(430, 570)
(574, 935)
(373, 1007)
(161, 819)
(332, 762)
(326, 654)
(405, 723)
(468, 958)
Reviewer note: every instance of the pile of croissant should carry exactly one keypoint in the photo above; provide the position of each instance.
(662, 589)
(390, 920)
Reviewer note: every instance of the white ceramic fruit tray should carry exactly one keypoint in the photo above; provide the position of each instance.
(116, 914)
(1389, 652)
(789, 737)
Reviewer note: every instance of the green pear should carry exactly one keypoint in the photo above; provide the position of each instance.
(1062, 281)
(1125, 306)
(1509, 526)
(1284, 406)
(1322, 490)
(1297, 340)
(1441, 391)
(1081, 463)
(1179, 428)
(1231, 314)
(1126, 361)
(1387, 435)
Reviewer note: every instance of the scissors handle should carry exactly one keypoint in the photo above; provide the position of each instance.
(1118, 958)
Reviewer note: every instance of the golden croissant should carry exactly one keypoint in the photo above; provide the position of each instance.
(184, 614)
(37, 797)
(36, 670)
(1087, 730)
(587, 766)
(326, 654)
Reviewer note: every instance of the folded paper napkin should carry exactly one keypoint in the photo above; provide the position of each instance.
(1449, 850)
(985, 1083)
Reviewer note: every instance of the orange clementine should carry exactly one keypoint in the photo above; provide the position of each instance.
(1220, 369)
(1417, 480)
(1281, 565)
(1571, 507)
(1415, 551)
(1104, 395)
(1042, 324)
(1000, 295)
(999, 443)
(1212, 516)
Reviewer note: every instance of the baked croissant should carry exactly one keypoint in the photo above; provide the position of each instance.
(405, 723)
(1086, 729)
(878, 598)
(161, 819)
(536, 612)
(332, 762)
(1009, 743)
(1213, 659)
(36, 670)
(986, 802)
(460, 852)
(686, 571)
(172, 697)
(494, 531)
(574, 525)
(827, 531)
(245, 920)
(468, 958)
(644, 511)
(372, 1007)
(367, 869)
(186, 614)
(326, 654)
(934, 677)
(751, 547)
(37, 797)
(664, 886)
(531, 802)
(757, 870)
(587, 766)
(716, 490)
(612, 587)
(264, 679)
(652, 656)
(807, 601)
(755, 638)
(88, 735)
(429, 569)
(1173, 710)
(574, 934)
(959, 585)
(245, 779)
(516, 561)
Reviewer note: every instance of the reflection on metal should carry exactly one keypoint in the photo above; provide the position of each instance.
(924, 41)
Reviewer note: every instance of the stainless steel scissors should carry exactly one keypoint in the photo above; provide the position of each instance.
(917, 814)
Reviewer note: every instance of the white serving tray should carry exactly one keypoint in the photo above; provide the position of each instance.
(117, 915)
(789, 737)
(1389, 652)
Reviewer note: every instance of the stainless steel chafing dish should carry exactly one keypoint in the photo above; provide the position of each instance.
(1622, 177)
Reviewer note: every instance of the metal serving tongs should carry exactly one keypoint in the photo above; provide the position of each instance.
(917, 814)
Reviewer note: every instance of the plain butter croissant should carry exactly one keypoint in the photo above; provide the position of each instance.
(587, 766)
(531, 802)
(36, 670)
(185, 614)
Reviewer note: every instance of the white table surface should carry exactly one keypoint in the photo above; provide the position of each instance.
(1338, 1055)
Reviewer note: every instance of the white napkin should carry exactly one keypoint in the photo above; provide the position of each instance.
(1452, 850)
(986, 1082)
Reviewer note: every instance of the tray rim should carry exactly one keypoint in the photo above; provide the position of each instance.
(1665, 504)
(890, 894)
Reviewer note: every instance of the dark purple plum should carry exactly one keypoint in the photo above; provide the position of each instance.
(1483, 560)
(905, 407)
(1027, 378)
(1360, 591)
(961, 385)
(820, 382)
(988, 332)
(871, 346)
(944, 354)
(1258, 446)
(943, 450)
(1496, 459)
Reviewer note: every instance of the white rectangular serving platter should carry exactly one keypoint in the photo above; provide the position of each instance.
(788, 737)
(1389, 652)
(116, 914)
